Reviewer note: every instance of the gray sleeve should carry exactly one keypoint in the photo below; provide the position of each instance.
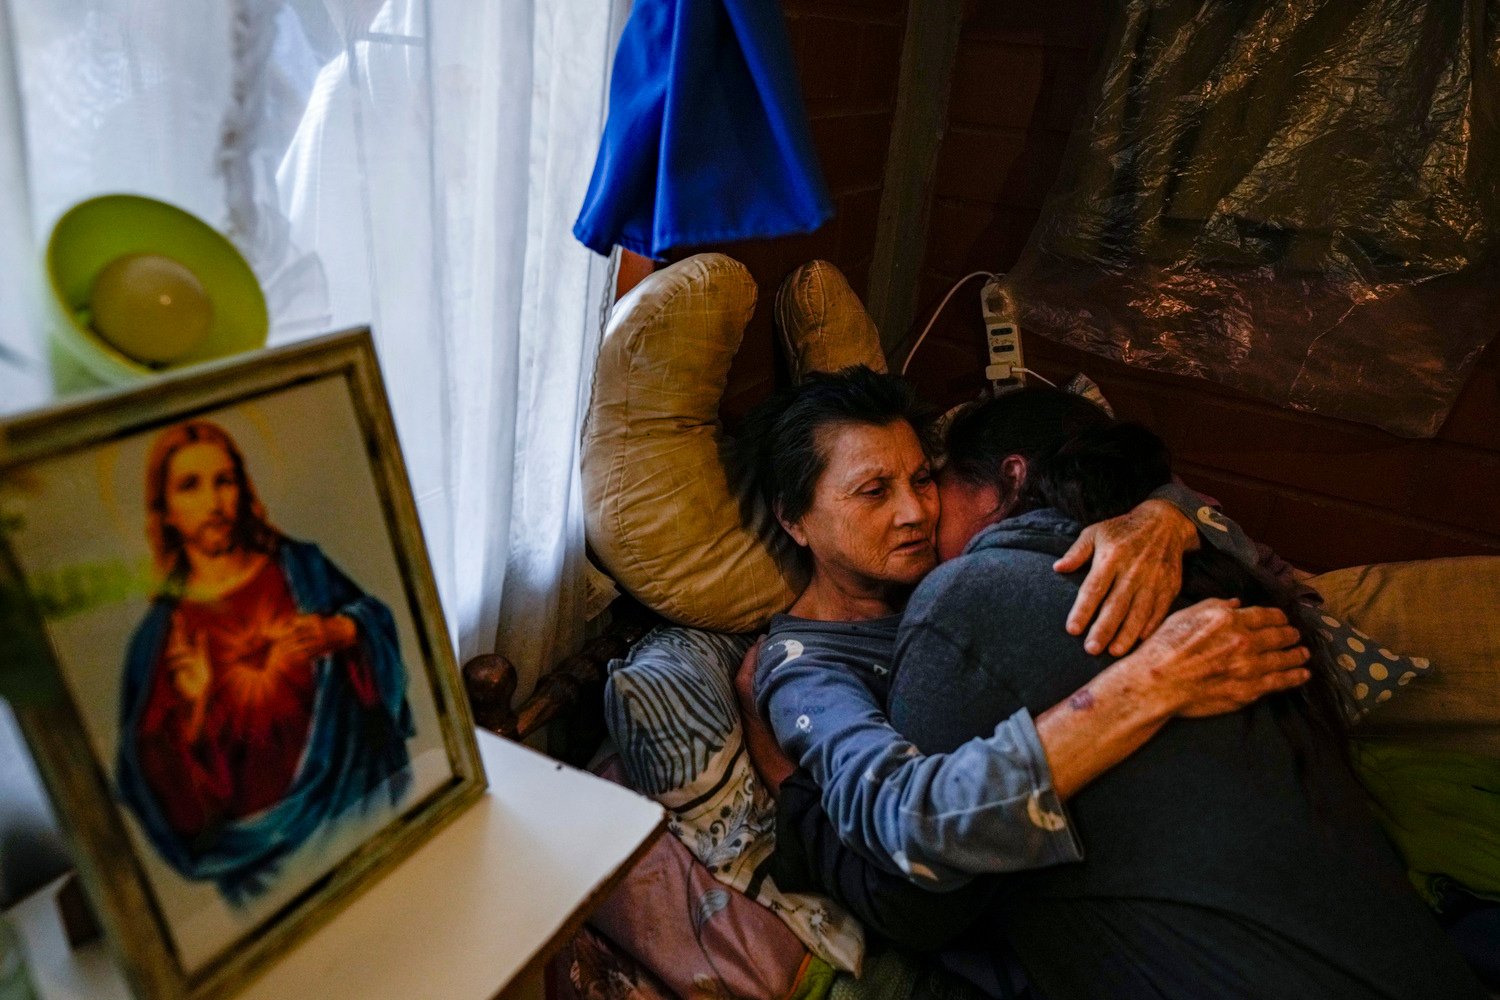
(938, 819)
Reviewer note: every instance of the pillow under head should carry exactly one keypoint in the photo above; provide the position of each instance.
(661, 513)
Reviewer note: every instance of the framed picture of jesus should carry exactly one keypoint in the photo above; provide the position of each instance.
(240, 689)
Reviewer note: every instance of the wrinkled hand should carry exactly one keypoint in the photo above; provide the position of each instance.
(1217, 657)
(766, 757)
(744, 679)
(1135, 576)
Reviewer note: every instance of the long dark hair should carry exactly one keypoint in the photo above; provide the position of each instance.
(1031, 422)
(1105, 471)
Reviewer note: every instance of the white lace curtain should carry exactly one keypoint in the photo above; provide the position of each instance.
(408, 164)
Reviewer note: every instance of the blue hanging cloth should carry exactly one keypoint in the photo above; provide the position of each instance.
(706, 140)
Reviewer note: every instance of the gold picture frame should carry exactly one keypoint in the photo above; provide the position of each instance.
(266, 577)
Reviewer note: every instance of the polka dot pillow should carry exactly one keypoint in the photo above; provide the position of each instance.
(1372, 673)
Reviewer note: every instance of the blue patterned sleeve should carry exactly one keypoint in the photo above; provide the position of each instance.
(937, 819)
(1213, 527)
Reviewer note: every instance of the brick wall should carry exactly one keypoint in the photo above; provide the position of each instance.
(848, 55)
(1323, 492)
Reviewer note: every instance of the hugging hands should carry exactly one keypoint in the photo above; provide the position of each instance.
(766, 757)
(1135, 572)
(1222, 656)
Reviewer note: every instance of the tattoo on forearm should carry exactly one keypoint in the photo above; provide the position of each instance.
(1082, 701)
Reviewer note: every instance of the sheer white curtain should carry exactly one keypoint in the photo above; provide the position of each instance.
(22, 371)
(409, 164)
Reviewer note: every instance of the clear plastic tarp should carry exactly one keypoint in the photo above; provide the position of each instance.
(1298, 199)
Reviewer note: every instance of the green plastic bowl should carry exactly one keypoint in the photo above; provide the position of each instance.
(95, 232)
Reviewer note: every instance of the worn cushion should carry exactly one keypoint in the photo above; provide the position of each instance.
(1447, 610)
(823, 325)
(661, 514)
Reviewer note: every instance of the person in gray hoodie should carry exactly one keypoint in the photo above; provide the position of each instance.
(1229, 854)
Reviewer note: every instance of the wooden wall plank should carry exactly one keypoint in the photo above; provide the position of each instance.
(928, 53)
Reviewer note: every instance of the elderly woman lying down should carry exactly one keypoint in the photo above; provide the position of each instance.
(1230, 850)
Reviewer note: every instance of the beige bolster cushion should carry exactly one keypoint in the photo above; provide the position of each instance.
(1447, 610)
(660, 512)
(823, 325)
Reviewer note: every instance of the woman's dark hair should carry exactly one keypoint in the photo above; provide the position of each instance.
(1030, 422)
(1105, 471)
(778, 448)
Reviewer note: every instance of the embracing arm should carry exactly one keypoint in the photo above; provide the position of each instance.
(1135, 572)
(1135, 564)
(773, 766)
(810, 857)
(937, 819)
(1211, 658)
(993, 804)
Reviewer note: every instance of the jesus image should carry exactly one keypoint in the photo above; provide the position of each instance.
(264, 694)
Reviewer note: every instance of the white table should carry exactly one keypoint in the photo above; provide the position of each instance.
(480, 907)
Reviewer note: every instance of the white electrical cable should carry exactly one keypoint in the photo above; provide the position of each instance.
(938, 312)
(1036, 374)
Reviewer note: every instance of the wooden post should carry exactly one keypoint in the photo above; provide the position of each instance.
(927, 59)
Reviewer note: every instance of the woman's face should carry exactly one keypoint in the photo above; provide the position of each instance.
(874, 509)
(967, 509)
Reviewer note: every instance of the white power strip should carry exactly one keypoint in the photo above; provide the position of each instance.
(1007, 367)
